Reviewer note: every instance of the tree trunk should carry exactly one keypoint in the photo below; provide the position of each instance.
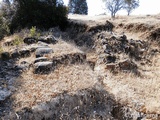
(113, 15)
(128, 13)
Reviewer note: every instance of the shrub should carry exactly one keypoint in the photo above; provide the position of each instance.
(17, 40)
(1, 49)
(33, 32)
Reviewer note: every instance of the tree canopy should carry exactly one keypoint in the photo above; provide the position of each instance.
(130, 5)
(113, 6)
(78, 7)
(39, 13)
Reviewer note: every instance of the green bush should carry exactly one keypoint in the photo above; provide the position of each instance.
(17, 40)
(42, 14)
(1, 49)
(33, 32)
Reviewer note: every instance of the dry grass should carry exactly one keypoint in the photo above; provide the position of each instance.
(40, 88)
(127, 87)
(138, 90)
(138, 21)
(63, 48)
(142, 93)
(12, 41)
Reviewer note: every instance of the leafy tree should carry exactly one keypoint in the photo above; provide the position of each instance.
(39, 13)
(130, 5)
(113, 6)
(78, 7)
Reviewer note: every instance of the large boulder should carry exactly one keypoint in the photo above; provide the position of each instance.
(42, 51)
(43, 67)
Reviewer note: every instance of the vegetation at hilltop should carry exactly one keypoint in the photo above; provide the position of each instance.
(78, 7)
(113, 6)
(20, 14)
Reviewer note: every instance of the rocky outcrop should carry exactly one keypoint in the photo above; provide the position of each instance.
(118, 52)
(82, 34)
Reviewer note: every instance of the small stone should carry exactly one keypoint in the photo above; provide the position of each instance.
(4, 94)
(91, 64)
(127, 65)
(111, 59)
(110, 67)
(123, 38)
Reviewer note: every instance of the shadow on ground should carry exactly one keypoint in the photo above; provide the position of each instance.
(8, 75)
(87, 104)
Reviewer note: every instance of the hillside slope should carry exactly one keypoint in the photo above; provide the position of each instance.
(98, 68)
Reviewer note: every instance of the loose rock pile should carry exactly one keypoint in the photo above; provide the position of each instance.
(119, 53)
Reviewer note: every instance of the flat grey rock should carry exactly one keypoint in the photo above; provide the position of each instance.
(42, 43)
(42, 51)
(43, 67)
(41, 59)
